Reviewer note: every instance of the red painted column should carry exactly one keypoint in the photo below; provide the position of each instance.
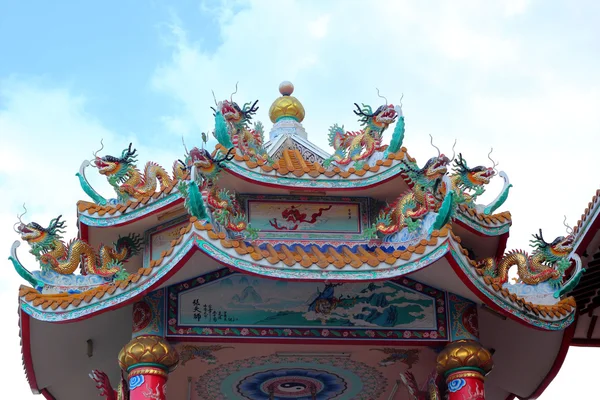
(464, 364)
(147, 383)
(465, 384)
(147, 361)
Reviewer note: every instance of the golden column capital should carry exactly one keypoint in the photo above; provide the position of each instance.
(150, 351)
(464, 355)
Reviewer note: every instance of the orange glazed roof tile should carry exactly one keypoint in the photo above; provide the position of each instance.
(290, 255)
(93, 208)
(493, 219)
(291, 162)
(295, 254)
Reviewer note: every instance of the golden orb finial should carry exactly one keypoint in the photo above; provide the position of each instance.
(464, 353)
(286, 105)
(148, 349)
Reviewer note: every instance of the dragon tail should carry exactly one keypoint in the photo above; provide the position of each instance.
(178, 170)
(132, 243)
(397, 138)
(221, 133)
(336, 136)
(87, 188)
(21, 270)
(489, 209)
(155, 173)
(445, 211)
(194, 203)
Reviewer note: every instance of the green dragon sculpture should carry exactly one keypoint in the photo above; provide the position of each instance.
(548, 262)
(221, 204)
(409, 209)
(226, 210)
(204, 172)
(469, 184)
(54, 254)
(238, 133)
(126, 179)
(359, 146)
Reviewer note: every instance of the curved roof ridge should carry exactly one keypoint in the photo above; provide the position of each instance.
(319, 169)
(560, 311)
(91, 208)
(288, 254)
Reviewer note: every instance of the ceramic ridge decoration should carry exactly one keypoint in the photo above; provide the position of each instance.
(238, 133)
(548, 263)
(359, 146)
(123, 175)
(55, 255)
(411, 208)
(469, 184)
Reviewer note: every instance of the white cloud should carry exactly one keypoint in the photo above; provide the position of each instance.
(319, 27)
(516, 7)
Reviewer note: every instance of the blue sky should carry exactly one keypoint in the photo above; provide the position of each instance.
(522, 76)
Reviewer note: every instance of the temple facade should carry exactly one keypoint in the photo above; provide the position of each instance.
(262, 267)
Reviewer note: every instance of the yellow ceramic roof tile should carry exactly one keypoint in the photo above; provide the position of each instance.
(289, 255)
(338, 260)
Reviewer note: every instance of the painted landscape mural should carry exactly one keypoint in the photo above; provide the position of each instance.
(238, 300)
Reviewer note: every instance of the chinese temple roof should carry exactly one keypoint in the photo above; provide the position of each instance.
(375, 164)
(285, 209)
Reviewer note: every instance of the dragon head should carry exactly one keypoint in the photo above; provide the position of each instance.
(39, 237)
(436, 167)
(476, 176)
(206, 165)
(378, 120)
(201, 158)
(234, 114)
(110, 165)
(558, 249)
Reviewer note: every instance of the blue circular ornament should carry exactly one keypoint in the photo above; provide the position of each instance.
(136, 381)
(456, 384)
